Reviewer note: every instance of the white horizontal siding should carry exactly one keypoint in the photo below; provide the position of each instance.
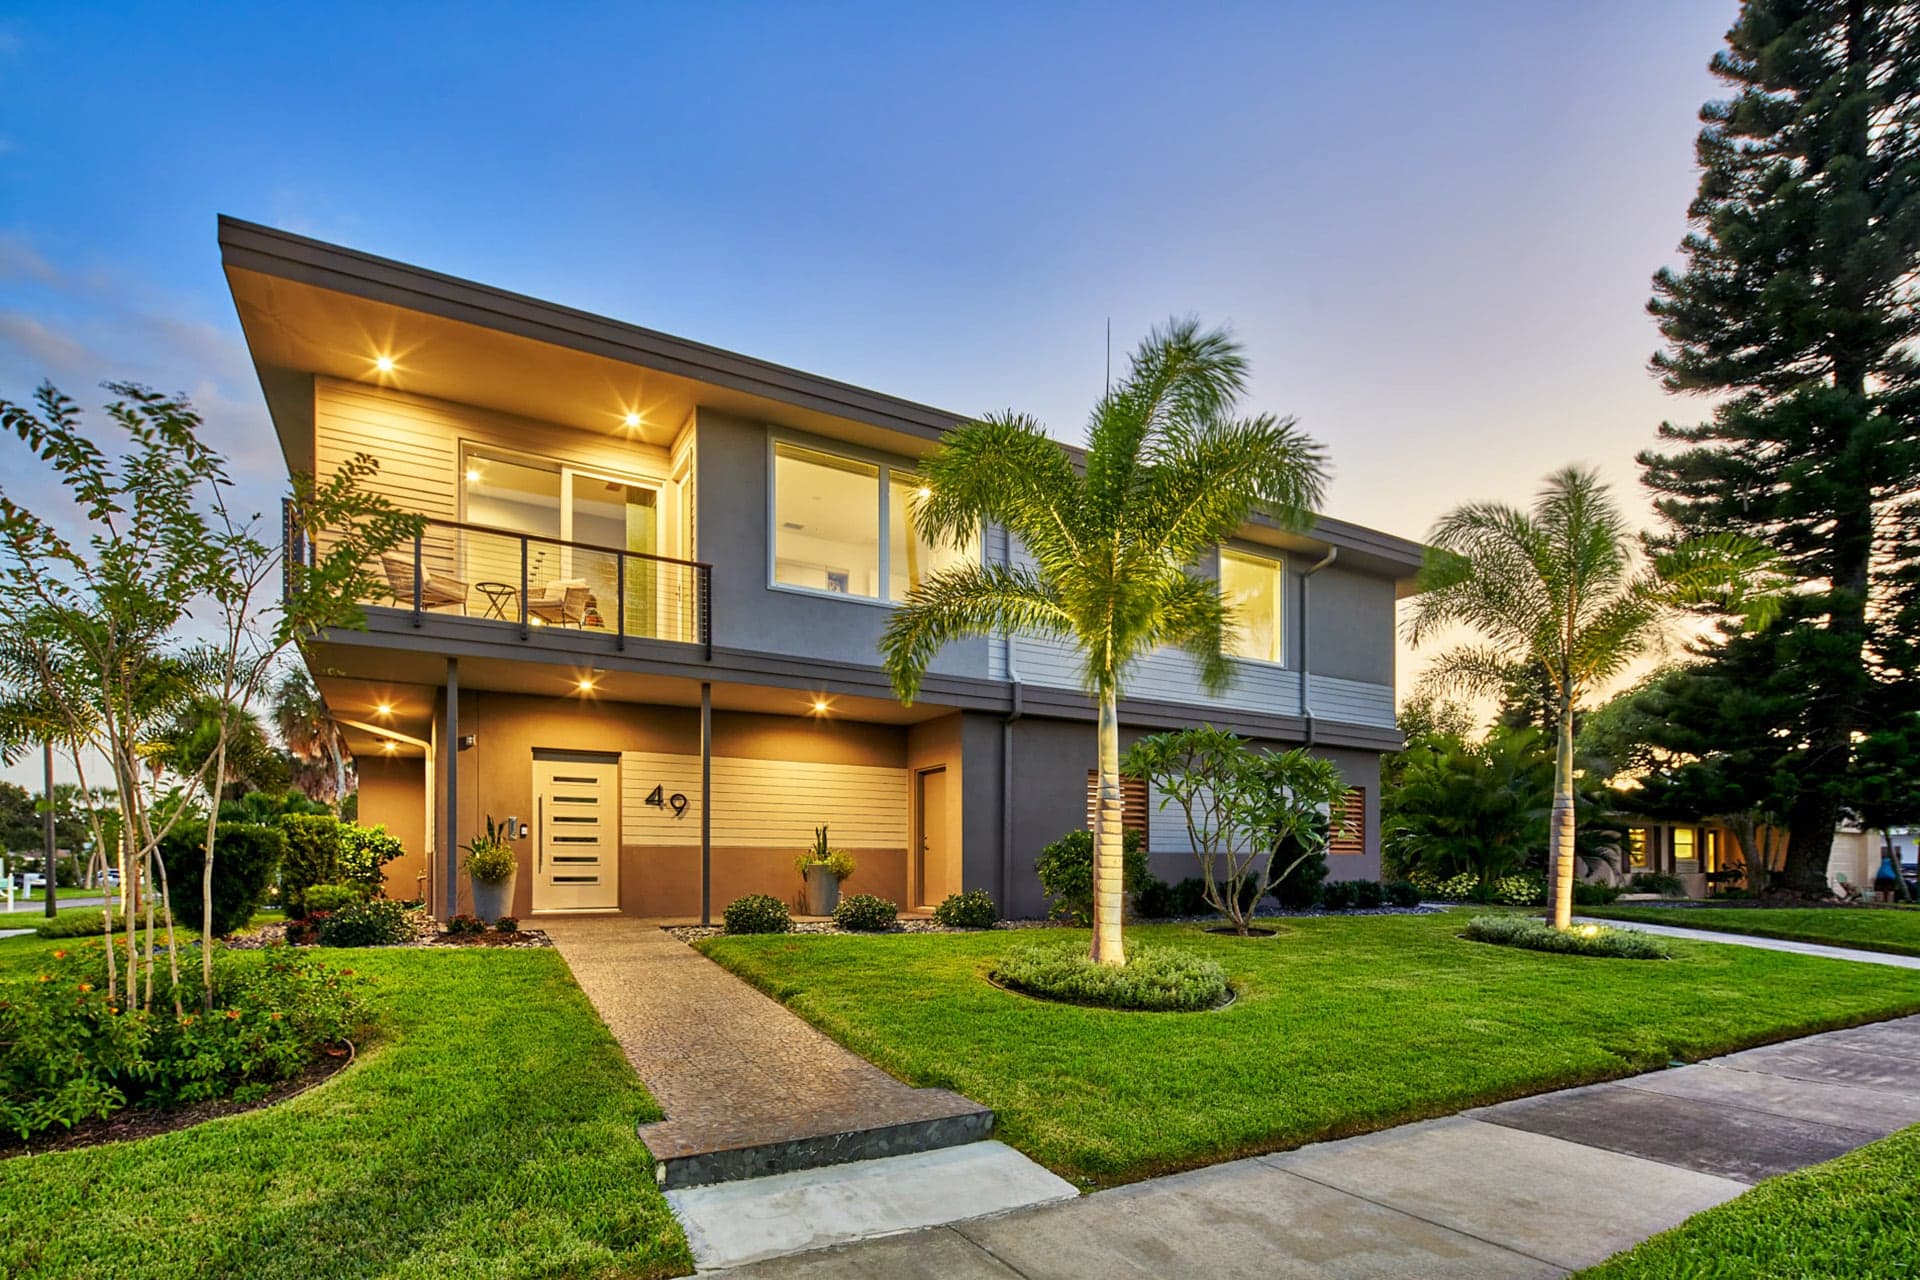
(764, 803)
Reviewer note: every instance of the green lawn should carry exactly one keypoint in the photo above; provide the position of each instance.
(490, 1132)
(1843, 1218)
(1341, 1026)
(1895, 929)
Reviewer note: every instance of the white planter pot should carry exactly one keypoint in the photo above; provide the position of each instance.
(491, 901)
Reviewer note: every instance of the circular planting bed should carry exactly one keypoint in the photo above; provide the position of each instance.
(1154, 979)
(1228, 931)
(1583, 940)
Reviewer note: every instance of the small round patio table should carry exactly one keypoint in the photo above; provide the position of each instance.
(499, 595)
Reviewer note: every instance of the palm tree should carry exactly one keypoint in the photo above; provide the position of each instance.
(301, 719)
(1168, 472)
(1559, 590)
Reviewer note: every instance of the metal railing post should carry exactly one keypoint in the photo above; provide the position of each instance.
(523, 587)
(419, 575)
(620, 590)
(706, 608)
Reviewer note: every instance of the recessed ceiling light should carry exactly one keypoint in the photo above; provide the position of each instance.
(392, 746)
(819, 706)
(383, 363)
(384, 709)
(586, 684)
(633, 419)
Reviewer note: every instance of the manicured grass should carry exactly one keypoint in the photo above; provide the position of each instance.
(490, 1132)
(1895, 929)
(1341, 1026)
(1853, 1216)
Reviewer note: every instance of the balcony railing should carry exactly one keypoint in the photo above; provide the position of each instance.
(534, 583)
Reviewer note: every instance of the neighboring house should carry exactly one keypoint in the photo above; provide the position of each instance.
(1693, 850)
(644, 615)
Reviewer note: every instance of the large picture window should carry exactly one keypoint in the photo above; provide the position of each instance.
(1253, 587)
(828, 515)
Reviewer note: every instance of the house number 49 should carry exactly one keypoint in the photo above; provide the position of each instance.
(659, 799)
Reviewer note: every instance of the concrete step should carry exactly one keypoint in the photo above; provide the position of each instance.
(735, 1223)
(699, 1153)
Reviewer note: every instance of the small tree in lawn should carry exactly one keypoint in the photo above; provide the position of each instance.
(1169, 472)
(98, 619)
(1241, 807)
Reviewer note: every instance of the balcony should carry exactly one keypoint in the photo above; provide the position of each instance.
(526, 583)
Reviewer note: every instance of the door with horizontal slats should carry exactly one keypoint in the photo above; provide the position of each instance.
(576, 861)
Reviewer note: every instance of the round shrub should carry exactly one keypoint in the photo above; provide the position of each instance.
(1300, 889)
(864, 913)
(1402, 893)
(757, 913)
(245, 857)
(1153, 978)
(364, 854)
(1368, 895)
(366, 922)
(464, 924)
(332, 897)
(973, 909)
(1066, 873)
(1581, 940)
(1339, 895)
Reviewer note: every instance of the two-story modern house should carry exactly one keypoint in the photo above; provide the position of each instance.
(642, 620)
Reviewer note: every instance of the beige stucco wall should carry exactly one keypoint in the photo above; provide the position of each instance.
(392, 795)
(933, 745)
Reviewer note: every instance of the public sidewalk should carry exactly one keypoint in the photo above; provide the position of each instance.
(1764, 944)
(1531, 1188)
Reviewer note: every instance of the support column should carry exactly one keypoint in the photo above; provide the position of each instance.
(706, 803)
(450, 767)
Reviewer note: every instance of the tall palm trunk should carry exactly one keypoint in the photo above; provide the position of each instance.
(1560, 837)
(1109, 859)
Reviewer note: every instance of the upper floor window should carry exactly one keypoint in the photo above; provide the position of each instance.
(1253, 587)
(828, 514)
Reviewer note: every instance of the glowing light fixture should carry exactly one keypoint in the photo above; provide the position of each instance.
(586, 684)
(391, 746)
(1589, 931)
(819, 706)
(473, 473)
(923, 493)
(383, 363)
(633, 419)
(384, 709)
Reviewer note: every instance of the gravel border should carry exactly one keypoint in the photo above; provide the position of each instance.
(694, 932)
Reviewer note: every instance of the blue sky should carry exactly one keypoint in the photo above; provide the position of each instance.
(1432, 225)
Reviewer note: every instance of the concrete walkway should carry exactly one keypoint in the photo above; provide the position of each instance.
(1532, 1188)
(749, 1089)
(1764, 944)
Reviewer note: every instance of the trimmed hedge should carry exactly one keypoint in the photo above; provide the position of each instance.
(245, 857)
(1581, 940)
(1153, 978)
(312, 857)
(367, 922)
(864, 913)
(973, 909)
(757, 913)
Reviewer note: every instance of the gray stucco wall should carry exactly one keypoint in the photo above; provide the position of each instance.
(748, 613)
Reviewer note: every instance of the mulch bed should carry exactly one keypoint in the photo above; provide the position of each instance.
(427, 935)
(145, 1122)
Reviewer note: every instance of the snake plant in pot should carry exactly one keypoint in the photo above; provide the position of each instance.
(823, 868)
(490, 868)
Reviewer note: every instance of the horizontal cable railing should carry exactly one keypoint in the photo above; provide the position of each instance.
(533, 583)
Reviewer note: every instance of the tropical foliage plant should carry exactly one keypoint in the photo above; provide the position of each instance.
(1109, 545)
(1559, 589)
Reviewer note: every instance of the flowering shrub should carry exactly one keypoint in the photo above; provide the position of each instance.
(864, 913)
(68, 1052)
(1523, 889)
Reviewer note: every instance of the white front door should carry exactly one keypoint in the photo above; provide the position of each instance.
(576, 849)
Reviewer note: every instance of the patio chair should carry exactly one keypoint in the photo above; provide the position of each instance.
(437, 590)
(561, 603)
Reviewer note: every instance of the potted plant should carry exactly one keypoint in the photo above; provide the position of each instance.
(823, 869)
(490, 868)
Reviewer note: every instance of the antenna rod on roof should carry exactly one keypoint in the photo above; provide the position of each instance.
(1109, 353)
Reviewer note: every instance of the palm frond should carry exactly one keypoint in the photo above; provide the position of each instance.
(968, 600)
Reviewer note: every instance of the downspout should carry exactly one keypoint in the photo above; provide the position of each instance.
(1306, 630)
(1006, 777)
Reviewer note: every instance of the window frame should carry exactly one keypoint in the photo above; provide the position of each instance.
(887, 466)
(1278, 559)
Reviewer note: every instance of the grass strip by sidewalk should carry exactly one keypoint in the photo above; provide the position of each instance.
(1341, 1026)
(488, 1132)
(1854, 1216)
(1891, 929)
